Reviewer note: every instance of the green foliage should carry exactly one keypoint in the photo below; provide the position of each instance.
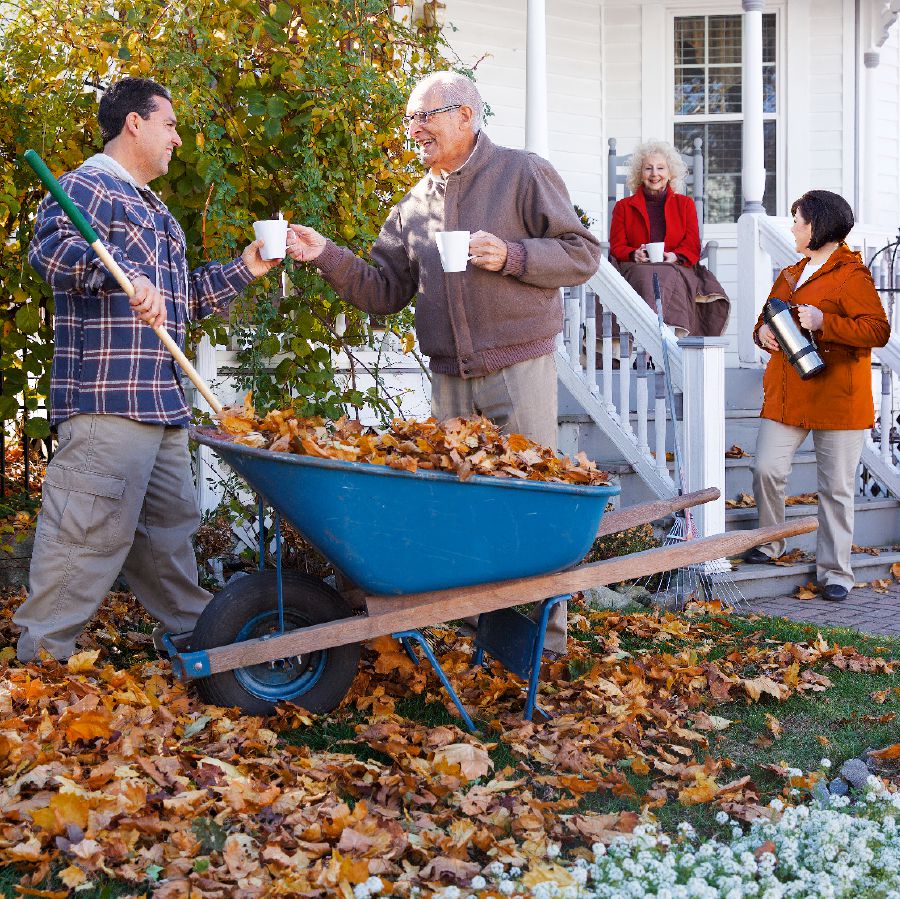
(292, 107)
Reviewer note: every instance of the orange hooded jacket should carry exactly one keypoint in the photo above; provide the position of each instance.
(840, 397)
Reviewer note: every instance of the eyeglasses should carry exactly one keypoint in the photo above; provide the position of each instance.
(423, 117)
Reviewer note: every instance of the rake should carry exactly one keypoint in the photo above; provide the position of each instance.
(703, 581)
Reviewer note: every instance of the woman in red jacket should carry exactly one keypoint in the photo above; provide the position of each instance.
(693, 300)
(836, 300)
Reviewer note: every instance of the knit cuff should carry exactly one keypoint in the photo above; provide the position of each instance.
(515, 259)
(329, 259)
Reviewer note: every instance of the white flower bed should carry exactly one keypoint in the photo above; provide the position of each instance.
(821, 852)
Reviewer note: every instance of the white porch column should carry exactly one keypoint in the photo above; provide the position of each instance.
(871, 58)
(536, 135)
(703, 434)
(753, 172)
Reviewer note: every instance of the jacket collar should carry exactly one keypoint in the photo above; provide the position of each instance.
(479, 157)
(842, 255)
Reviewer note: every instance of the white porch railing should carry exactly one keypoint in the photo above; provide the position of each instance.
(765, 246)
(626, 396)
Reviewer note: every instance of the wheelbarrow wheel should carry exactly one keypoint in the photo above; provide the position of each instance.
(248, 608)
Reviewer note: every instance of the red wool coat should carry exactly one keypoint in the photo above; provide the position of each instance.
(839, 398)
(630, 227)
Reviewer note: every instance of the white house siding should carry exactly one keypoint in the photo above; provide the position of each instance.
(887, 133)
(830, 98)
(494, 33)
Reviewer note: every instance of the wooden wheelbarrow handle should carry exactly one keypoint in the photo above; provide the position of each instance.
(623, 519)
(388, 614)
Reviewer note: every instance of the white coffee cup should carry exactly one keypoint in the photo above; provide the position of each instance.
(274, 233)
(656, 251)
(454, 249)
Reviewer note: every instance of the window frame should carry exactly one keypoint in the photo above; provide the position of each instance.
(715, 9)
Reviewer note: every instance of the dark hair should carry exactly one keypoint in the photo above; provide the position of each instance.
(125, 96)
(829, 214)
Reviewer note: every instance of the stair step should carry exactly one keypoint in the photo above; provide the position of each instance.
(876, 522)
(764, 581)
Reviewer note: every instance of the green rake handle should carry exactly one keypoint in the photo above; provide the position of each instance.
(87, 232)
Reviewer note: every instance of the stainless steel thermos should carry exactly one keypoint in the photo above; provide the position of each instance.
(795, 342)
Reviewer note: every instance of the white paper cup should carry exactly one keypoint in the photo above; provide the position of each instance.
(274, 233)
(454, 249)
(656, 251)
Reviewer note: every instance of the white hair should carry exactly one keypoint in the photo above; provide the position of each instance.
(455, 89)
(677, 168)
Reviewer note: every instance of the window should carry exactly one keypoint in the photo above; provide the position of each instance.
(708, 104)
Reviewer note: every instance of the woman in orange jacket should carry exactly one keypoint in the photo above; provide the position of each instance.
(836, 301)
(655, 213)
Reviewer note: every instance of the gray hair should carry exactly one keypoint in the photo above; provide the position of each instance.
(677, 168)
(455, 89)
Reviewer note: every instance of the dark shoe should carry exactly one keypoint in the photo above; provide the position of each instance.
(834, 592)
(756, 556)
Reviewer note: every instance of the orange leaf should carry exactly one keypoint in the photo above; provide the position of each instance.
(88, 725)
(890, 752)
(64, 809)
(703, 790)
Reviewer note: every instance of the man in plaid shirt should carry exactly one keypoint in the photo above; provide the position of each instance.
(118, 494)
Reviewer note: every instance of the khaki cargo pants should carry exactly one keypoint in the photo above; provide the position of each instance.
(520, 399)
(118, 496)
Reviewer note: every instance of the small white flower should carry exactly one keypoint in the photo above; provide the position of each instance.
(478, 882)
(552, 850)
(506, 887)
(721, 817)
(825, 763)
(776, 804)
(450, 893)
(375, 885)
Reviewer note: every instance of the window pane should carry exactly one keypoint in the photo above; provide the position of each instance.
(724, 91)
(725, 40)
(768, 29)
(769, 89)
(770, 147)
(689, 40)
(689, 92)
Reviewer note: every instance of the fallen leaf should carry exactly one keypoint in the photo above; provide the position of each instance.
(463, 758)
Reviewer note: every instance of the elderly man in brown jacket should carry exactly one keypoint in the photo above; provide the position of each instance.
(490, 331)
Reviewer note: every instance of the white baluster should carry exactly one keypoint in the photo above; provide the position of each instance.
(573, 337)
(608, 363)
(886, 415)
(659, 424)
(590, 341)
(625, 381)
(641, 400)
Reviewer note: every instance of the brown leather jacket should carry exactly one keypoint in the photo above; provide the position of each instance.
(840, 397)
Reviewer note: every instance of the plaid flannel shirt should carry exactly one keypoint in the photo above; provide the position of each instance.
(105, 359)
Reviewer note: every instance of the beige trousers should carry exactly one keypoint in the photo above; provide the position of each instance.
(520, 399)
(118, 496)
(837, 458)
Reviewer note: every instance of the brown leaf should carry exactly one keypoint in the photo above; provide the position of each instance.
(463, 758)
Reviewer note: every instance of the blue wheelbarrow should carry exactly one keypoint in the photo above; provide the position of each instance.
(417, 549)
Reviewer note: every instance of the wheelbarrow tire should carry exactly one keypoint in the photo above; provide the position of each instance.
(246, 609)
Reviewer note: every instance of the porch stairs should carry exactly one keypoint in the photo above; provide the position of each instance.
(594, 389)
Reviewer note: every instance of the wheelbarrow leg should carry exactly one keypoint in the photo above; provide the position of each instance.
(538, 651)
(404, 637)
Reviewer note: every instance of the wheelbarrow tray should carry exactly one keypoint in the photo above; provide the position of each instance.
(396, 532)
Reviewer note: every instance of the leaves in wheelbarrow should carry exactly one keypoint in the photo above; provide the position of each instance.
(463, 446)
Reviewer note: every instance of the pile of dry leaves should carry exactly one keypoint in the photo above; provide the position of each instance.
(463, 446)
(120, 771)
